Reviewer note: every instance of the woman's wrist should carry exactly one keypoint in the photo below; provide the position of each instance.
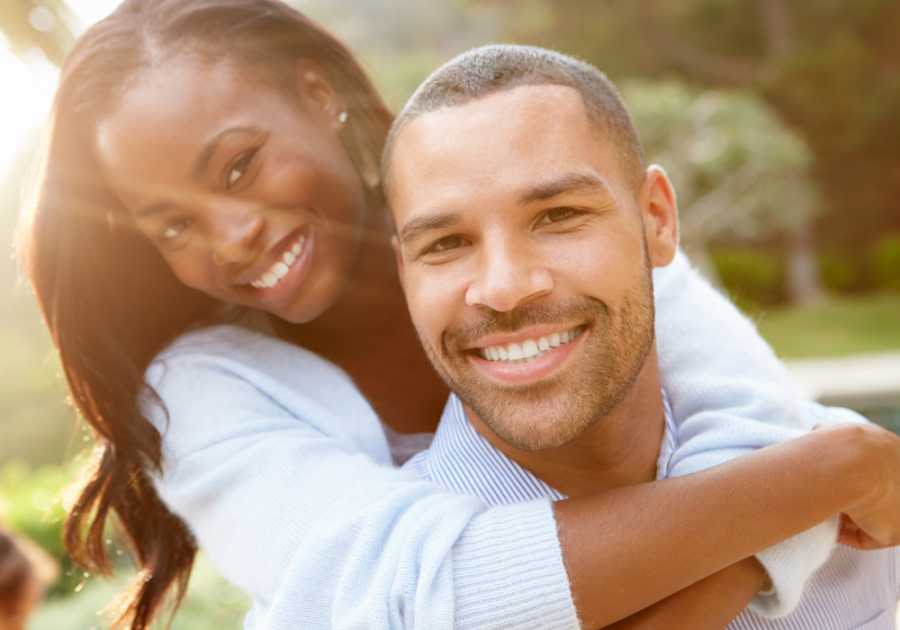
(752, 574)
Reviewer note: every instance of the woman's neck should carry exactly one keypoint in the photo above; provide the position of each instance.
(373, 299)
(369, 334)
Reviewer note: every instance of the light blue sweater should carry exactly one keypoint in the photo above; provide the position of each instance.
(282, 471)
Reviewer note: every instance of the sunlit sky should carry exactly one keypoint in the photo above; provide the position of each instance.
(27, 85)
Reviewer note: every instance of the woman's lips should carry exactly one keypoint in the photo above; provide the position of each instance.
(281, 267)
(287, 272)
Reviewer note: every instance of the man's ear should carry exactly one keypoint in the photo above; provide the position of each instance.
(399, 253)
(318, 93)
(660, 212)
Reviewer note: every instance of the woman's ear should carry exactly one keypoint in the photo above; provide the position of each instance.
(660, 213)
(318, 93)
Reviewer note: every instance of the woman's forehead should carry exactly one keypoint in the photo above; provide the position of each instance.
(162, 122)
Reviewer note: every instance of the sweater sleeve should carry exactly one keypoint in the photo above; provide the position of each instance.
(729, 396)
(288, 486)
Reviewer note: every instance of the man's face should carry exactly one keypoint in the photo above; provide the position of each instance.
(525, 262)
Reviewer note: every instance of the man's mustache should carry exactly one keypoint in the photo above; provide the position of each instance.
(564, 313)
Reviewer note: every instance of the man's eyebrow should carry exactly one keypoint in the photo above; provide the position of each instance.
(428, 222)
(209, 149)
(571, 182)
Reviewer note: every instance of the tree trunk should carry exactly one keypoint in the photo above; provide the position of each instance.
(804, 284)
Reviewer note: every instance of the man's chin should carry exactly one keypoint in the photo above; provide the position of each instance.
(531, 422)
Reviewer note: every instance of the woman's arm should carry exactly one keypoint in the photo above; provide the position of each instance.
(710, 604)
(281, 470)
(658, 538)
(279, 467)
(729, 396)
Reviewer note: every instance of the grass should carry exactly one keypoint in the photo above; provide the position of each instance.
(840, 327)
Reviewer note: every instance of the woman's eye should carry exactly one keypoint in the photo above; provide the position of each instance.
(556, 215)
(174, 229)
(239, 167)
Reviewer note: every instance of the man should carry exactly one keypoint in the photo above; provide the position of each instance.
(527, 228)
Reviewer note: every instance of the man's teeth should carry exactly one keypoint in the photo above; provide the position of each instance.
(530, 349)
(280, 269)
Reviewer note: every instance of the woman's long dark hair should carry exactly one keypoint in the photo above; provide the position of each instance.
(110, 301)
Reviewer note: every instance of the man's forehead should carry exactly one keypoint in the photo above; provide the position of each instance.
(552, 106)
(502, 143)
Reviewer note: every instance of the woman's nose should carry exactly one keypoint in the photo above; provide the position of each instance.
(233, 234)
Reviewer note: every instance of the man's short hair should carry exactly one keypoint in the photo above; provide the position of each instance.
(498, 67)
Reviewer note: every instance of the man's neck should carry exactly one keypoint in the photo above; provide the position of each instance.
(620, 449)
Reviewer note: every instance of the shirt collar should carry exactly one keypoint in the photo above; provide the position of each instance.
(460, 458)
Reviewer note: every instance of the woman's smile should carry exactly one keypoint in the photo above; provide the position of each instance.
(273, 275)
(287, 273)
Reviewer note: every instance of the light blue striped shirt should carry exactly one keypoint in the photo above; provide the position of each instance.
(854, 590)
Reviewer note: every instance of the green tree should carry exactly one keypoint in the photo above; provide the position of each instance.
(739, 174)
(830, 69)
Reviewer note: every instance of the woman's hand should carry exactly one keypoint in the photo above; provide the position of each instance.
(873, 522)
(656, 539)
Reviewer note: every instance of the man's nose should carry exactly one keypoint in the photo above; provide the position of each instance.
(234, 230)
(508, 275)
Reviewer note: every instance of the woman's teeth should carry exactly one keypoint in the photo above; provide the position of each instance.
(280, 269)
(530, 349)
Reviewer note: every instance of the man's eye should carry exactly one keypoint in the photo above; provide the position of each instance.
(556, 215)
(239, 167)
(445, 244)
(173, 229)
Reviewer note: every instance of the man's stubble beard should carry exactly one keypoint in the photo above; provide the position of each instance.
(552, 413)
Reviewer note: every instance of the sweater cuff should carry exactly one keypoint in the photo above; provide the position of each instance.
(791, 564)
(509, 572)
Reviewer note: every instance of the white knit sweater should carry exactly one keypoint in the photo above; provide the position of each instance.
(282, 471)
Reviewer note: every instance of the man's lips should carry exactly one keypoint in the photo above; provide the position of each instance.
(525, 347)
(538, 365)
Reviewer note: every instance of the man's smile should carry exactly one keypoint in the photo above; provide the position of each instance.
(527, 349)
(529, 358)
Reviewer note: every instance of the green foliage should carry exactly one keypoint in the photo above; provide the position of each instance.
(838, 327)
(211, 603)
(30, 503)
(839, 274)
(402, 41)
(737, 171)
(34, 421)
(886, 262)
(830, 69)
(753, 279)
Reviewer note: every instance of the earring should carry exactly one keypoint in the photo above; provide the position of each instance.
(343, 117)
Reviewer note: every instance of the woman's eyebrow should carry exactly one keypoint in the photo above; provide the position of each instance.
(154, 208)
(209, 149)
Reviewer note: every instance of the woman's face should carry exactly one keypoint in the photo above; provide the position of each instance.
(245, 190)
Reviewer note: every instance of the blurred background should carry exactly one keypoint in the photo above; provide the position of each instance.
(779, 123)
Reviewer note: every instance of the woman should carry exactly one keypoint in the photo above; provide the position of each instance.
(205, 153)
